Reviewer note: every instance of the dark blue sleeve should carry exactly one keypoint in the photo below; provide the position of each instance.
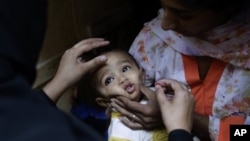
(180, 135)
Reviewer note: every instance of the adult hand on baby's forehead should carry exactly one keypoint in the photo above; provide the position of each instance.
(72, 67)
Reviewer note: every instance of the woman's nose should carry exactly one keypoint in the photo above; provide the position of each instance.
(169, 21)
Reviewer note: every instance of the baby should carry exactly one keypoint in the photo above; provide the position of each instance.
(120, 76)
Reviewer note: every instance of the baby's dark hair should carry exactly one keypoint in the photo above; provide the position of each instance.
(87, 92)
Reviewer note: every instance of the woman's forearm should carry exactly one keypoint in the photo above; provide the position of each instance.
(54, 89)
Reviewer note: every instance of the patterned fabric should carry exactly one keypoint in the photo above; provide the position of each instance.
(225, 92)
(229, 42)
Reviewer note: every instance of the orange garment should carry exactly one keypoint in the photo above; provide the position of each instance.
(204, 91)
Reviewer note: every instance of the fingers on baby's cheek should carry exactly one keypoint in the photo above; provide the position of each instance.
(120, 101)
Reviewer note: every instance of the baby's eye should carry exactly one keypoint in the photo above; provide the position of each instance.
(125, 68)
(108, 81)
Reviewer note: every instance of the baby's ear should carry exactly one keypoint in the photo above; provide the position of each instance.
(142, 76)
(102, 102)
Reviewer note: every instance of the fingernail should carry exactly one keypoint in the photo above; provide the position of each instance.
(122, 118)
(157, 86)
(102, 58)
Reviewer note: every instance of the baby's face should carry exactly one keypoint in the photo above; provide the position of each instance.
(118, 77)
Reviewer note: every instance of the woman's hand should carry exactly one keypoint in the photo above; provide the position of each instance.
(73, 67)
(177, 110)
(139, 116)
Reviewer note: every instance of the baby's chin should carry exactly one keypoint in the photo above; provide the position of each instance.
(136, 96)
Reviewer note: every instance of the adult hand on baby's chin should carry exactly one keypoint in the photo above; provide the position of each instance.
(139, 116)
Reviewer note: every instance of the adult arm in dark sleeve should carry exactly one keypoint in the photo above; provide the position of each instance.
(180, 135)
(25, 114)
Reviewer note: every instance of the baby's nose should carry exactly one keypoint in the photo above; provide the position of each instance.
(122, 79)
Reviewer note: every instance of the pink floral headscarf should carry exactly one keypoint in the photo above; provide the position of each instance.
(229, 42)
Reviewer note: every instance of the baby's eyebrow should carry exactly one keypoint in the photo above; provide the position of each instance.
(101, 75)
(124, 61)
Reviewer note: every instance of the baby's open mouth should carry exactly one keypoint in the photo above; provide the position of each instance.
(130, 88)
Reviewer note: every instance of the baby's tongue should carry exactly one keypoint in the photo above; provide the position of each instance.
(130, 88)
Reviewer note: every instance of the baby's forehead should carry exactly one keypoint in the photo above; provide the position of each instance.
(120, 56)
(116, 58)
(116, 53)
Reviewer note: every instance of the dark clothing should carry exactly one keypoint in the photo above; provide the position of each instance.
(34, 117)
(22, 28)
(180, 135)
(25, 114)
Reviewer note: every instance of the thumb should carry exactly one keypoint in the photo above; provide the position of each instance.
(161, 97)
(95, 62)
